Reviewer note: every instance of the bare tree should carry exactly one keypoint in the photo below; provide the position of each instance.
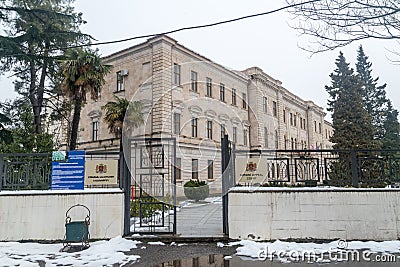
(337, 23)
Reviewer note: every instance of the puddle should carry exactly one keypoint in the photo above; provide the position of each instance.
(217, 260)
(214, 260)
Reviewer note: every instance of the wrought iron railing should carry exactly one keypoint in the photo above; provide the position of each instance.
(25, 171)
(357, 168)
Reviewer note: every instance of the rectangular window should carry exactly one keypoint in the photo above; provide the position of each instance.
(222, 92)
(234, 134)
(95, 130)
(195, 169)
(209, 129)
(210, 169)
(234, 96)
(276, 139)
(315, 126)
(326, 133)
(177, 123)
(284, 116)
(178, 169)
(294, 120)
(223, 130)
(291, 119)
(177, 74)
(245, 137)
(265, 137)
(194, 127)
(274, 109)
(120, 82)
(244, 100)
(265, 104)
(193, 79)
(319, 128)
(209, 87)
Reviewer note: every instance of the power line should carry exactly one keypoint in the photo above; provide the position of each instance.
(186, 28)
(196, 27)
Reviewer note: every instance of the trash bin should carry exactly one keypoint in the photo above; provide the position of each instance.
(77, 232)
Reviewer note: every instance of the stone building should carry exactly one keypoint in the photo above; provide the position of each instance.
(191, 98)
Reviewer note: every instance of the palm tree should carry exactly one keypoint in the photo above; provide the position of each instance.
(134, 116)
(83, 72)
(116, 112)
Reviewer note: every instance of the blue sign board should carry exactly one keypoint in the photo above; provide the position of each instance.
(69, 175)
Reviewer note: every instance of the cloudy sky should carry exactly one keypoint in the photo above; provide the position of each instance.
(267, 41)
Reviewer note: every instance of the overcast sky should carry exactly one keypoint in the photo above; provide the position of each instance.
(267, 42)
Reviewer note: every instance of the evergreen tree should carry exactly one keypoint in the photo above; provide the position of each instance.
(35, 33)
(391, 135)
(23, 138)
(374, 96)
(5, 134)
(351, 122)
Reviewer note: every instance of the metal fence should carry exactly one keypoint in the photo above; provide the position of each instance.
(357, 168)
(33, 171)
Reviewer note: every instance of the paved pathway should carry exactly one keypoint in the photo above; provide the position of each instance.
(200, 220)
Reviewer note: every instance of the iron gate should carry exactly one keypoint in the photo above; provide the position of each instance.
(152, 164)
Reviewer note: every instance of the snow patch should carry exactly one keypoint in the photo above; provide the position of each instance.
(158, 243)
(100, 253)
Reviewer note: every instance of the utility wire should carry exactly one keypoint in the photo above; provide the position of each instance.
(196, 27)
(185, 28)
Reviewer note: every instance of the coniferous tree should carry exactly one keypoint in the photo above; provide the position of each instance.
(374, 96)
(34, 35)
(351, 122)
(391, 135)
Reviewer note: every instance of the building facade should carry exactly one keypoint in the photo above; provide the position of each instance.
(189, 97)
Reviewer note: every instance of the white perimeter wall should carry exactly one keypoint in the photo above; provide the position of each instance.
(320, 213)
(40, 215)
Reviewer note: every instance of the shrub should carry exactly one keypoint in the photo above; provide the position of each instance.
(149, 205)
(196, 190)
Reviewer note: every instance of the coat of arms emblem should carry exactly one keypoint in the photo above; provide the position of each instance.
(101, 168)
(251, 167)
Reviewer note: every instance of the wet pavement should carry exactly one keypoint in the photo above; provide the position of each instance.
(200, 219)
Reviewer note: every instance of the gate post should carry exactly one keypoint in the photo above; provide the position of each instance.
(126, 183)
(226, 181)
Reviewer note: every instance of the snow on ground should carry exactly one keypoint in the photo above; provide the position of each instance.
(156, 243)
(323, 253)
(100, 253)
